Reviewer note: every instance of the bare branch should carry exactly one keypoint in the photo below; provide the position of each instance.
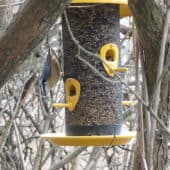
(68, 158)
(156, 94)
(124, 29)
(19, 145)
(13, 4)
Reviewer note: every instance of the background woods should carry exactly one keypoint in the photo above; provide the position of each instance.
(27, 28)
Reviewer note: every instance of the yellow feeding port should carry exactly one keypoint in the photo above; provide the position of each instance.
(110, 54)
(72, 90)
(124, 9)
(108, 140)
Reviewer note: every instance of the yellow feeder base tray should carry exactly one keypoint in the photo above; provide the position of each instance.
(108, 140)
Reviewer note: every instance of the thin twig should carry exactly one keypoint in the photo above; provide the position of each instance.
(141, 138)
(14, 113)
(13, 4)
(98, 73)
(68, 158)
(19, 145)
(40, 151)
(5, 133)
(128, 34)
(147, 125)
(48, 154)
(126, 149)
(27, 114)
(156, 93)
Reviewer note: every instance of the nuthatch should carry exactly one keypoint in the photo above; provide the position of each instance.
(51, 71)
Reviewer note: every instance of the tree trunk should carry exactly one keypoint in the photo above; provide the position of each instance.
(99, 110)
(149, 22)
(25, 32)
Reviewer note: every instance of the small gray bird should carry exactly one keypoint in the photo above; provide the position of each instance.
(51, 71)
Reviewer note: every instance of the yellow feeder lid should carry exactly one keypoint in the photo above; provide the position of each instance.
(124, 9)
(108, 140)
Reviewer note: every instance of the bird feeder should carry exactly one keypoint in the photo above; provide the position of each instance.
(93, 106)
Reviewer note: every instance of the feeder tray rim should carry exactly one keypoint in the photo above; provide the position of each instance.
(124, 8)
(125, 2)
(95, 140)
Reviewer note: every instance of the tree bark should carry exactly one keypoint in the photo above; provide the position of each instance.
(2, 13)
(149, 23)
(25, 32)
(5, 16)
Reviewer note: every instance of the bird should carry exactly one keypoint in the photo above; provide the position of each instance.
(51, 71)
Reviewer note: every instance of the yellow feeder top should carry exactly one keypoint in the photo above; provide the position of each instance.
(124, 9)
(108, 140)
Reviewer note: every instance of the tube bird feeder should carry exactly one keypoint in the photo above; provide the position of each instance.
(93, 106)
